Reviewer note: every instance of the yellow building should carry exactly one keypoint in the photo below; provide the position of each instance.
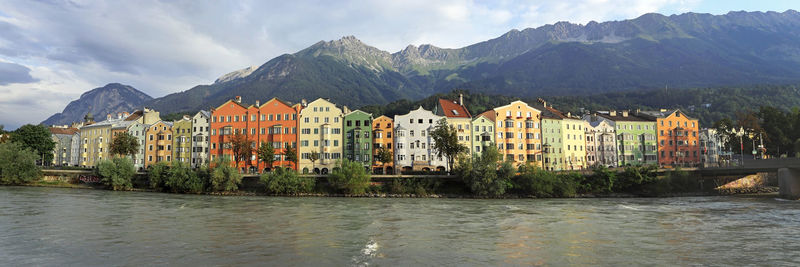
(320, 136)
(458, 117)
(518, 133)
(158, 143)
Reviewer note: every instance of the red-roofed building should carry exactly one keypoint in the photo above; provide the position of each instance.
(458, 117)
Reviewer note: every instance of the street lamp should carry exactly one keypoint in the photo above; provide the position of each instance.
(740, 133)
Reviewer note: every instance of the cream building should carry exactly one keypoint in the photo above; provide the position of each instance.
(321, 135)
(518, 133)
(413, 143)
(458, 117)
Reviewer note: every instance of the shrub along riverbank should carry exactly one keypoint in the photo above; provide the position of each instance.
(477, 176)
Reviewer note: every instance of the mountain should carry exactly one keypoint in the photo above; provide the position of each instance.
(108, 99)
(649, 52)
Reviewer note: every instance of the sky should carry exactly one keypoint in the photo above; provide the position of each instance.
(52, 51)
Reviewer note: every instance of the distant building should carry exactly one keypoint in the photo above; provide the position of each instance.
(159, 143)
(712, 148)
(320, 136)
(518, 133)
(601, 142)
(413, 144)
(636, 137)
(383, 138)
(483, 132)
(357, 126)
(678, 138)
(63, 149)
(200, 134)
(458, 117)
(182, 140)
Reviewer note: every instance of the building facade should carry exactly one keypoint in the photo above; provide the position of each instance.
(62, 151)
(382, 136)
(227, 121)
(413, 144)
(320, 136)
(678, 138)
(357, 126)
(482, 132)
(278, 125)
(159, 143)
(458, 117)
(601, 142)
(518, 133)
(139, 131)
(182, 140)
(636, 137)
(75, 148)
(200, 134)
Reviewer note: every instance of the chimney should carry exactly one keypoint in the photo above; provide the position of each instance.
(624, 113)
(258, 103)
(238, 99)
(637, 111)
(304, 102)
(108, 116)
(345, 110)
(125, 114)
(612, 113)
(461, 99)
(544, 103)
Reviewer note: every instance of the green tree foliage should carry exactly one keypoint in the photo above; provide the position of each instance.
(157, 175)
(116, 173)
(290, 154)
(384, 156)
(416, 186)
(182, 179)
(483, 175)
(241, 148)
(445, 142)
(266, 153)
(533, 180)
(224, 177)
(350, 178)
(18, 164)
(36, 138)
(124, 144)
(282, 181)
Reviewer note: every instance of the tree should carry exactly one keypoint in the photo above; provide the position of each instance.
(116, 173)
(290, 155)
(350, 177)
(240, 146)
(124, 144)
(37, 138)
(266, 153)
(313, 158)
(446, 144)
(484, 175)
(384, 156)
(282, 181)
(18, 164)
(157, 174)
(224, 177)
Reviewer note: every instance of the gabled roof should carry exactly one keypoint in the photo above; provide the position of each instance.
(451, 109)
(619, 117)
(135, 115)
(489, 114)
(664, 114)
(275, 99)
(230, 101)
(57, 130)
(359, 111)
(204, 113)
(383, 116)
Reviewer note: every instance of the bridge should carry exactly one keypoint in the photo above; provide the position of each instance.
(787, 169)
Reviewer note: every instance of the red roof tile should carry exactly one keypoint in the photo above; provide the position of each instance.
(452, 109)
(56, 130)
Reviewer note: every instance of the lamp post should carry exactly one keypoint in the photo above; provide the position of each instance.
(741, 145)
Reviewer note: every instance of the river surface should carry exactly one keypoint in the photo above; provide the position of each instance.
(74, 227)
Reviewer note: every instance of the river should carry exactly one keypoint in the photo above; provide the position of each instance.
(57, 227)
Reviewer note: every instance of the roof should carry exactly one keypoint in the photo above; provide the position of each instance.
(57, 130)
(548, 112)
(489, 114)
(135, 115)
(383, 116)
(275, 99)
(359, 111)
(663, 114)
(122, 124)
(204, 113)
(451, 109)
(619, 116)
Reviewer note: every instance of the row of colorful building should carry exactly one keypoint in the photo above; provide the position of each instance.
(322, 133)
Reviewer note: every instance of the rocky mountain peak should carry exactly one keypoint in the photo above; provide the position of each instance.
(109, 99)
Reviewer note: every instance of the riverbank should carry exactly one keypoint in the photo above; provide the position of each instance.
(377, 194)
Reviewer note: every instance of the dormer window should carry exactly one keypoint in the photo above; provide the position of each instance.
(455, 112)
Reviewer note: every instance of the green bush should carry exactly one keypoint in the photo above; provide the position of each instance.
(157, 175)
(350, 178)
(633, 177)
(416, 186)
(180, 178)
(483, 176)
(18, 164)
(116, 173)
(601, 181)
(282, 181)
(224, 177)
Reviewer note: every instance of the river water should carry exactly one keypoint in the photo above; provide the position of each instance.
(52, 226)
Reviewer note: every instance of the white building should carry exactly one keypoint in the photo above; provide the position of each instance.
(601, 140)
(200, 126)
(413, 143)
(712, 148)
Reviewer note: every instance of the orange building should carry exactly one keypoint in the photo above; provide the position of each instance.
(678, 138)
(158, 143)
(274, 122)
(277, 124)
(382, 128)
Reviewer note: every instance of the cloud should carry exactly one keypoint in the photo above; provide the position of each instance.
(14, 73)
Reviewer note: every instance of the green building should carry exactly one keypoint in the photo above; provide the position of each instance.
(636, 137)
(182, 140)
(357, 137)
(552, 142)
(483, 131)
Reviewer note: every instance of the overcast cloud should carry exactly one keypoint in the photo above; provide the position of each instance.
(52, 51)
